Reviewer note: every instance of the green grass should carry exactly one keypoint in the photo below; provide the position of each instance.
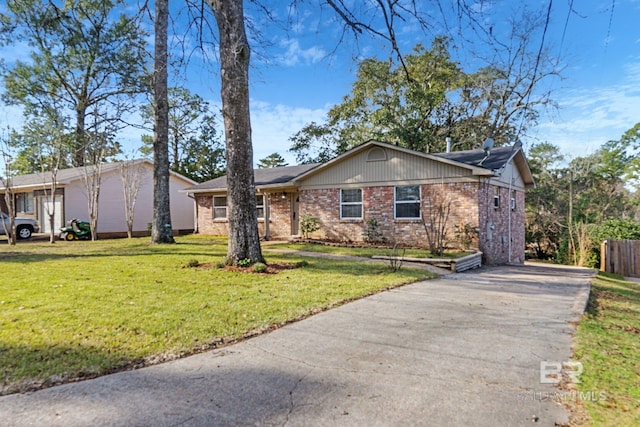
(607, 344)
(362, 251)
(78, 309)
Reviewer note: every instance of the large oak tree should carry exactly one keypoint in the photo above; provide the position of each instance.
(244, 240)
(161, 230)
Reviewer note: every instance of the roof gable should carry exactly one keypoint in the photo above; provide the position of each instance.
(391, 162)
(472, 169)
(462, 163)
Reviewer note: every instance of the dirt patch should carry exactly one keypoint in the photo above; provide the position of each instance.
(272, 268)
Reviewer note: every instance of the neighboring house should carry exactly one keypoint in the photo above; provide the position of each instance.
(33, 197)
(401, 189)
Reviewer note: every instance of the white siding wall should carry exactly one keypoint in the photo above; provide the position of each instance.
(111, 214)
(510, 172)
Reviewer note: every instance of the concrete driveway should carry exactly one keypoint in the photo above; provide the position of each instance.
(464, 350)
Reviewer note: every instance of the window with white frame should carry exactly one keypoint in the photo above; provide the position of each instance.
(351, 203)
(407, 202)
(24, 202)
(219, 207)
(496, 197)
(260, 205)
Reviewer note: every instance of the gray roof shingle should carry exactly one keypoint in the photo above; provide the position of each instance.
(263, 177)
(63, 176)
(497, 159)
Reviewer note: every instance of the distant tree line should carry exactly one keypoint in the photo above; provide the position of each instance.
(578, 202)
(424, 100)
(89, 71)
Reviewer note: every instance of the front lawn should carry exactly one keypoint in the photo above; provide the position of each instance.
(607, 343)
(81, 309)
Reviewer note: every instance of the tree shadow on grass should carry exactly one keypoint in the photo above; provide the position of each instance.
(205, 391)
(29, 368)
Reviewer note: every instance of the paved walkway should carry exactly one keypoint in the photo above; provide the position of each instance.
(464, 350)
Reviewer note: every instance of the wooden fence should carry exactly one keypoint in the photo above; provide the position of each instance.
(620, 257)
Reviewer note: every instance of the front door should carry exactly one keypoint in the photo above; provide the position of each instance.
(295, 214)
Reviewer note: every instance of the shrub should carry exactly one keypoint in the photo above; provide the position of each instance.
(259, 267)
(396, 257)
(308, 224)
(246, 262)
(465, 234)
(616, 229)
(372, 233)
(191, 263)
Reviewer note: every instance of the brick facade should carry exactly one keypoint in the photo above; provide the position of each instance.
(378, 204)
(471, 204)
(279, 214)
(501, 228)
(206, 223)
(471, 207)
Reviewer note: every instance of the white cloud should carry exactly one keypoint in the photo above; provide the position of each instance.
(295, 55)
(589, 117)
(273, 124)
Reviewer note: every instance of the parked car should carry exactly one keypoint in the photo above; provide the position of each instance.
(25, 227)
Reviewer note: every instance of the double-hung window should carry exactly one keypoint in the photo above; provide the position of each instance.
(351, 203)
(260, 205)
(24, 202)
(407, 202)
(219, 207)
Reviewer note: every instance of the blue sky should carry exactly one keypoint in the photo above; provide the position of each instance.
(304, 71)
(598, 98)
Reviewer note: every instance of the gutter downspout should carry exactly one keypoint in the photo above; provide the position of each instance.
(511, 210)
(267, 212)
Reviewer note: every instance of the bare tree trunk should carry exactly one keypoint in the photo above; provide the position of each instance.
(92, 177)
(131, 175)
(55, 158)
(51, 209)
(244, 240)
(9, 199)
(161, 231)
